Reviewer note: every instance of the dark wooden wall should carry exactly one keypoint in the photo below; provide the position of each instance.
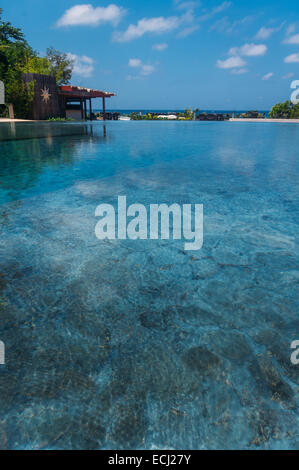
(41, 109)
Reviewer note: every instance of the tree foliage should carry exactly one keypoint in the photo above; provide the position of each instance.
(37, 65)
(294, 114)
(9, 33)
(61, 66)
(286, 110)
(14, 52)
(18, 57)
(188, 114)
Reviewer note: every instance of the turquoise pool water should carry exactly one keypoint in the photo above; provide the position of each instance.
(138, 344)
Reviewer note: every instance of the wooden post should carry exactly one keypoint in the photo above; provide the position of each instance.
(90, 109)
(11, 111)
(104, 109)
(85, 109)
(81, 106)
(63, 114)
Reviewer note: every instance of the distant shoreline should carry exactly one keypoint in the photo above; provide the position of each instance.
(261, 120)
(281, 121)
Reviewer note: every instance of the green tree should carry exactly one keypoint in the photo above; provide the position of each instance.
(188, 114)
(281, 110)
(61, 66)
(136, 117)
(37, 65)
(16, 58)
(14, 53)
(294, 113)
(9, 33)
(19, 94)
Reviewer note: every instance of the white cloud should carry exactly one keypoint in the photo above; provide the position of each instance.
(187, 5)
(292, 59)
(249, 50)
(288, 75)
(221, 7)
(224, 25)
(265, 33)
(231, 63)
(133, 77)
(88, 15)
(83, 65)
(268, 76)
(238, 25)
(135, 63)
(235, 61)
(188, 18)
(291, 29)
(220, 25)
(292, 39)
(239, 71)
(195, 21)
(160, 47)
(147, 70)
(144, 69)
(188, 31)
(215, 11)
(158, 25)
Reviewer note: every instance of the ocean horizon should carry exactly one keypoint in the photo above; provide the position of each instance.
(168, 110)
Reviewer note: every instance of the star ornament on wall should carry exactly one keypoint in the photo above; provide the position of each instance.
(45, 95)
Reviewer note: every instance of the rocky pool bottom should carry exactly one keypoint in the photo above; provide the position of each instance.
(139, 344)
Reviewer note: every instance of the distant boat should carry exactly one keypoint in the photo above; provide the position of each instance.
(124, 118)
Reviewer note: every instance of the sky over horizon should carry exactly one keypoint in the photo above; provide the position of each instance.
(171, 54)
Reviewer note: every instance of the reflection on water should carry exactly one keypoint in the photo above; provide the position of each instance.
(138, 344)
(28, 150)
(38, 130)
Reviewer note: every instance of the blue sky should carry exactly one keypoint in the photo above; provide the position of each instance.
(171, 53)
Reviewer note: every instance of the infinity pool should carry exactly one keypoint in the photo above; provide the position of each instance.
(123, 344)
